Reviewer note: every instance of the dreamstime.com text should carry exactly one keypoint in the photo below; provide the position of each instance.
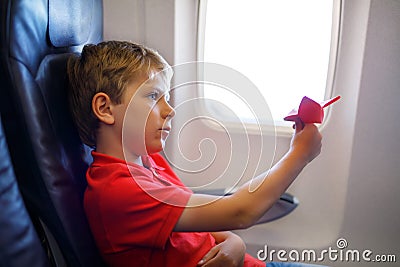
(339, 253)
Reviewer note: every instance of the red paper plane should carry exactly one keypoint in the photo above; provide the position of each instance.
(310, 111)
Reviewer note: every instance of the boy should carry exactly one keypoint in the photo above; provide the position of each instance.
(138, 210)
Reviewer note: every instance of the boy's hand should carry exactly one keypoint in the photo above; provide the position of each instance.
(306, 141)
(229, 251)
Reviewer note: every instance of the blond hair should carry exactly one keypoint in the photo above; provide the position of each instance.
(107, 67)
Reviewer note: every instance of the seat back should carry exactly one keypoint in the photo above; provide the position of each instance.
(37, 38)
(19, 243)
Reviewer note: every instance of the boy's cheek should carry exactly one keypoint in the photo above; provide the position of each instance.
(138, 111)
(134, 142)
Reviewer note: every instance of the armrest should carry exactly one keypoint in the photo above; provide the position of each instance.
(285, 205)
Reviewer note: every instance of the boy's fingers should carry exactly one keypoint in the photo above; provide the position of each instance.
(211, 254)
(298, 126)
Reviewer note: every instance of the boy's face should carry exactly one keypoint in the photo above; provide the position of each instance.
(148, 115)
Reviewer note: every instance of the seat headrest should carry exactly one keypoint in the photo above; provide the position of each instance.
(69, 22)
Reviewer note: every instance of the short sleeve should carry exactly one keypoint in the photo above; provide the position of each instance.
(134, 211)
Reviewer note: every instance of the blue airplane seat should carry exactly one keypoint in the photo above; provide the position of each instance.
(37, 38)
(19, 242)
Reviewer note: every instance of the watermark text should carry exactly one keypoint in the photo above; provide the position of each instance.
(339, 253)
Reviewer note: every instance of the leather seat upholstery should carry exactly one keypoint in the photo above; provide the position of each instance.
(37, 37)
(19, 243)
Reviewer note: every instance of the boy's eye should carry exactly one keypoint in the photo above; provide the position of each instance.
(153, 96)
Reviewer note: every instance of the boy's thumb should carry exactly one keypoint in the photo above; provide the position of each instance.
(299, 125)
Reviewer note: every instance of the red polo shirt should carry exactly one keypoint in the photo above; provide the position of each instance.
(132, 211)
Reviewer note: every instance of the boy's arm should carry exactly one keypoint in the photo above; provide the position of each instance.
(229, 251)
(243, 208)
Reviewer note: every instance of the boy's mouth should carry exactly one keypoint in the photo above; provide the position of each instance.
(165, 131)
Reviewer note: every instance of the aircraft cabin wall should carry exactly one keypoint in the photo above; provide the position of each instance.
(351, 190)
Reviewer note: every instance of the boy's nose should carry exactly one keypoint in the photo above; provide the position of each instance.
(168, 110)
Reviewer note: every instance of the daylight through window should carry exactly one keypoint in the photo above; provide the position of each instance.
(282, 46)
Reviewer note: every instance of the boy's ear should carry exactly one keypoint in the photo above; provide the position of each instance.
(101, 106)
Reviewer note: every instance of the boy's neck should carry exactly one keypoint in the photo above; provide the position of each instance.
(118, 153)
(136, 159)
(109, 142)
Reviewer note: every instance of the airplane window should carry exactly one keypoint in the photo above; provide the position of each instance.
(287, 48)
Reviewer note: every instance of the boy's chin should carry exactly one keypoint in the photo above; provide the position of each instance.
(155, 149)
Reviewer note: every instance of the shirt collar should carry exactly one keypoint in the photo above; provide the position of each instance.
(148, 162)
